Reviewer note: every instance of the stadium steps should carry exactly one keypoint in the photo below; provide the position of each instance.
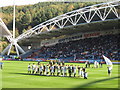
(28, 53)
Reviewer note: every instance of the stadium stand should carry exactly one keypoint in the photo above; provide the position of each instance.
(88, 48)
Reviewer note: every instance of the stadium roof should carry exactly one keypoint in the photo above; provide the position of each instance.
(4, 30)
(90, 27)
(77, 21)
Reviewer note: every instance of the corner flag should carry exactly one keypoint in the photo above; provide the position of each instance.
(108, 62)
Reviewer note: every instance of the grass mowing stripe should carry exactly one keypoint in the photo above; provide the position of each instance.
(14, 76)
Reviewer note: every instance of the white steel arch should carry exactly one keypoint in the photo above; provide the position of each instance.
(4, 30)
(87, 14)
(84, 15)
(10, 38)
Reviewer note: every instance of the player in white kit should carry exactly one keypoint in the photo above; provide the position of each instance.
(65, 70)
(85, 75)
(52, 70)
(29, 68)
(41, 69)
(74, 70)
(33, 68)
(36, 69)
(81, 72)
(62, 71)
(47, 69)
(58, 70)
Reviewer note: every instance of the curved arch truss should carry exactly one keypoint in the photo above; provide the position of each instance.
(98, 12)
(6, 33)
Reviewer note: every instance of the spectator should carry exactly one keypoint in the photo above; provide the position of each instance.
(83, 49)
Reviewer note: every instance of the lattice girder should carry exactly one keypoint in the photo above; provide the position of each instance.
(83, 15)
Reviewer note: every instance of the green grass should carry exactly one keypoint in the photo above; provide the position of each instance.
(14, 75)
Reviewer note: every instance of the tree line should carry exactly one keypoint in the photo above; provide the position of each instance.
(28, 16)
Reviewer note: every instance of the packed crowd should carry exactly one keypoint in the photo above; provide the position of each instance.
(89, 48)
(57, 69)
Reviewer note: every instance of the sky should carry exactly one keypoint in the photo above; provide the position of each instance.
(4, 3)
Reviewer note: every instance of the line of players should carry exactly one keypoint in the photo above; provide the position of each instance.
(57, 69)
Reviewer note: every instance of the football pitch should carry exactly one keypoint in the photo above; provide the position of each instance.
(14, 75)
